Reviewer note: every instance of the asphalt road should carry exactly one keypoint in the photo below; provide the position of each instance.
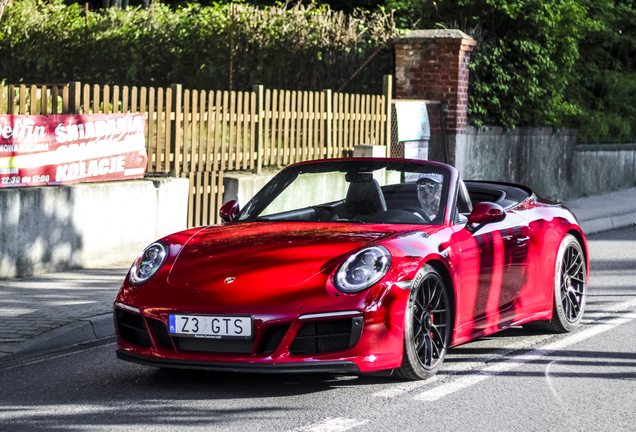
(511, 381)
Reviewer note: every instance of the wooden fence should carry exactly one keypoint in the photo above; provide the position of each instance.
(203, 135)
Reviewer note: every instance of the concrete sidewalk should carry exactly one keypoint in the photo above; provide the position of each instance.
(605, 212)
(56, 311)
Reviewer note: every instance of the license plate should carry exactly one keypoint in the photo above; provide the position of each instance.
(211, 326)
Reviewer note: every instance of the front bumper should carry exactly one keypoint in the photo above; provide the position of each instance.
(365, 342)
(361, 332)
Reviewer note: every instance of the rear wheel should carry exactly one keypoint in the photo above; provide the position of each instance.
(428, 327)
(570, 289)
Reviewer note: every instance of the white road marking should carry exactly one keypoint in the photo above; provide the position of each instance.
(538, 354)
(521, 343)
(16, 412)
(552, 389)
(337, 424)
(403, 388)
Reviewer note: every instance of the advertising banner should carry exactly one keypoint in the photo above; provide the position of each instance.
(64, 149)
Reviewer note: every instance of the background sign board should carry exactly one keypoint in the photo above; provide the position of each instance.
(65, 149)
(412, 120)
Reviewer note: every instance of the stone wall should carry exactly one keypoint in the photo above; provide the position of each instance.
(597, 169)
(547, 160)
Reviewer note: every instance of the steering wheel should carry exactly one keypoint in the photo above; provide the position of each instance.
(419, 212)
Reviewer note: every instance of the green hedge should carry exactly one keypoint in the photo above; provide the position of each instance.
(299, 47)
(604, 86)
(563, 63)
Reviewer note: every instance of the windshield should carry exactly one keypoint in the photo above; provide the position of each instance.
(359, 191)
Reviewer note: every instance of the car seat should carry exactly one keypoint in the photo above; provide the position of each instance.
(364, 198)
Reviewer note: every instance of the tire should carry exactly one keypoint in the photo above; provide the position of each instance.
(570, 289)
(428, 327)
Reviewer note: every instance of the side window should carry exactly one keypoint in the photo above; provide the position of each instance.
(464, 205)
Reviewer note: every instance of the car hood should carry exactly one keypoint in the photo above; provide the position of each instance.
(265, 256)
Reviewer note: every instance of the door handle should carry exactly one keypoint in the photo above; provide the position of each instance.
(521, 241)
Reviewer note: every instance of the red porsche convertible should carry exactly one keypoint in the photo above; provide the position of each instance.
(354, 265)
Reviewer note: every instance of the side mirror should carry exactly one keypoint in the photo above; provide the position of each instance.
(229, 211)
(484, 213)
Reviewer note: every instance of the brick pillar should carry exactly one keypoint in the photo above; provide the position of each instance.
(433, 65)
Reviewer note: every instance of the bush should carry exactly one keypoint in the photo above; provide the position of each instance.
(544, 62)
(537, 62)
(605, 75)
(522, 63)
(299, 47)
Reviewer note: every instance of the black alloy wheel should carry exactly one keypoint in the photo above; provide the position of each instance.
(570, 283)
(428, 326)
(573, 283)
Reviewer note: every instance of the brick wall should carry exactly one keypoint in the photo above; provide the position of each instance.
(433, 65)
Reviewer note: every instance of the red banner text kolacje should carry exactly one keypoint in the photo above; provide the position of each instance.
(64, 149)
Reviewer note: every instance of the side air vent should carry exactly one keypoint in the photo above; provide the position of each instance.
(321, 337)
(162, 334)
(272, 337)
(132, 328)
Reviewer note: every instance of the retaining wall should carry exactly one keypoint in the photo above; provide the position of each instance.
(598, 169)
(547, 160)
(54, 228)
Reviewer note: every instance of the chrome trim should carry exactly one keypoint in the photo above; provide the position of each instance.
(329, 314)
(130, 308)
(404, 284)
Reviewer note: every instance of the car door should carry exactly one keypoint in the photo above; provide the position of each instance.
(492, 270)
(516, 266)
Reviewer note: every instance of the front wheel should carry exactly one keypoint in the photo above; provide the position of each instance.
(428, 326)
(570, 289)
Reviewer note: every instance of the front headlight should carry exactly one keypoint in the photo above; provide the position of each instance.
(148, 263)
(363, 269)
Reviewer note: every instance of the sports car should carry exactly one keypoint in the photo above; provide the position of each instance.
(355, 265)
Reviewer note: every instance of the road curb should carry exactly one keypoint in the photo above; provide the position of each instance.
(593, 226)
(81, 331)
(103, 325)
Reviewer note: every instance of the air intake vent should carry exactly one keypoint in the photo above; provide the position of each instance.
(132, 328)
(272, 338)
(321, 337)
(225, 346)
(162, 334)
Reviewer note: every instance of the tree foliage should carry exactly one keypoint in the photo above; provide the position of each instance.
(544, 62)
(523, 64)
(525, 52)
(564, 63)
(604, 86)
(3, 3)
(299, 47)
